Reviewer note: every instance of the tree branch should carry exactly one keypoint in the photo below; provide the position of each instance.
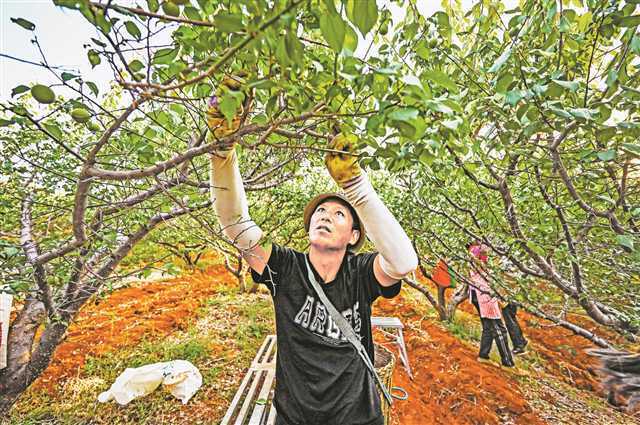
(31, 252)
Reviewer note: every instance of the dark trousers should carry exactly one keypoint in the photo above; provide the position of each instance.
(493, 329)
(515, 332)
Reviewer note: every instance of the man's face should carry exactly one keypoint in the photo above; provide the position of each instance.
(331, 226)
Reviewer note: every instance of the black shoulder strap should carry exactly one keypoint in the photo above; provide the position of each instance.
(346, 330)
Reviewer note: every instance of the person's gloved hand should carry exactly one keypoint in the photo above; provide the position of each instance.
(216, 121)
(343, 166)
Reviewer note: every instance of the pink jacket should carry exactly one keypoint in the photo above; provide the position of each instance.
(489, 307)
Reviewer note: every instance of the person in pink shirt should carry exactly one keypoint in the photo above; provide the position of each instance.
(488, 307)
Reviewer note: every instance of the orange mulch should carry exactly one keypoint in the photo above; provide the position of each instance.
(127, 316)
(563, 351)
(449, 385)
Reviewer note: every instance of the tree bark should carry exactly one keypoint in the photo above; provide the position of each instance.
(16, 377)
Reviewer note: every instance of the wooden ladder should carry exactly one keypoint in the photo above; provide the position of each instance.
(252, 403)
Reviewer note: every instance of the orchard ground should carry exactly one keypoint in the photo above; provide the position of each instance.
(202, 318)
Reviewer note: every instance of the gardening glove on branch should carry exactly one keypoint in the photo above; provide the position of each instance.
(397, 256)
(219, 124)
(227, 191)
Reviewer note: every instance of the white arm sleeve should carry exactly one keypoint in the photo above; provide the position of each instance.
(230, 202)
(398, 257)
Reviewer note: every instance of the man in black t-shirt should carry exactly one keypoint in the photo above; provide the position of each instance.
(320, 378)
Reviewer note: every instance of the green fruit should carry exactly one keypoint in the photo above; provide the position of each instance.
(80, 115)
(93, 126)
(170, 8)
(180, 2)
(42, 94)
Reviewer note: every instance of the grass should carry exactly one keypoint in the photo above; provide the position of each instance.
(221, 343)
(464, 327)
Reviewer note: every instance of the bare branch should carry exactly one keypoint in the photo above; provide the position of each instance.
(160, 167)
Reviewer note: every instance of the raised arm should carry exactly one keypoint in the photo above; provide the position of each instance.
(397, 257)
(228, 196)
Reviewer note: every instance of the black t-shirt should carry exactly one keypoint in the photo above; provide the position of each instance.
(320, 379)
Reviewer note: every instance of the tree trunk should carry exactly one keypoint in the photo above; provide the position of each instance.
(459, 296)
(16, 377)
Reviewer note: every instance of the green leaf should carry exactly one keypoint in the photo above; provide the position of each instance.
(24, 23)
(261, 85)
(260, 119)
(54, 130)
(19, 89)
(386, 70)
(135, 65)
(294, 48)
(406, 129)
(564, 25)
(403, 114)
(513, 97)
(94, 58)
(438, 106)
(330, 6)
(612, 77)
(281, 53)
(500, 61)
(165, 56)
(607, 155)
(153, 5)
(92, 87)
(631, 148)
(66, 76)
(503, 83)
(192, 13)
(133, 30)
(72, 4)
(203, 90)
(363, 14)
(350, 39)
(227, 22)
(103, 24)
(452, 124)
(626, 241)
(333, 30)
(560, 112)
(635, 44)
(570, 85)
(4, 123)
(98, 42)
(441, 79)
(375, 126)
(629, 21)
(229, 105)
(584, 20)
(583, 113)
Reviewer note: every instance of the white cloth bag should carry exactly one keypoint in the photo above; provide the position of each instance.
(180, 377)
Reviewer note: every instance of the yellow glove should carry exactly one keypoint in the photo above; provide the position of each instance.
(343, 167)
(218, 124)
